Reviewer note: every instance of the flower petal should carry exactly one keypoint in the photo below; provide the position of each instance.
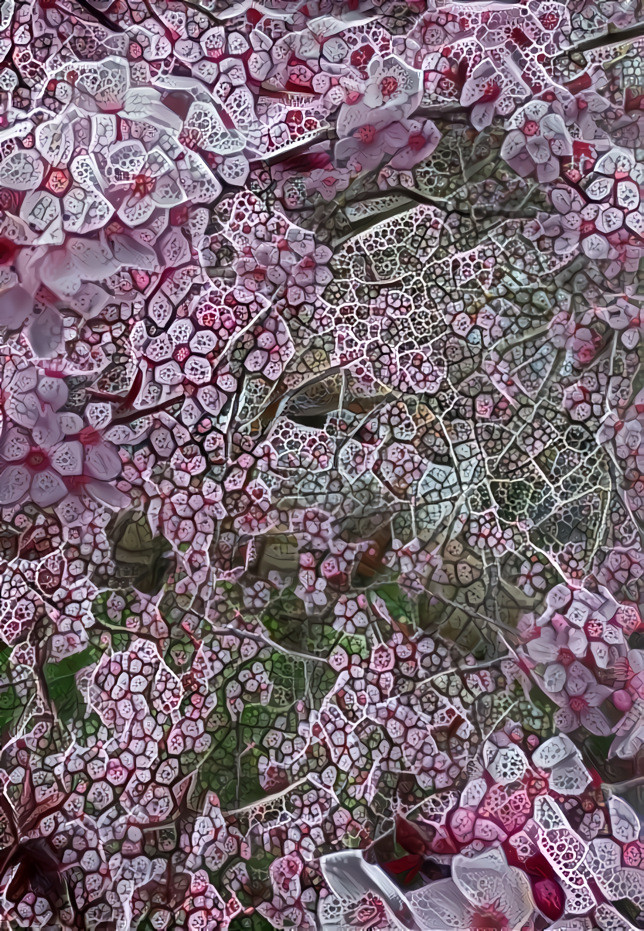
(554, 678)
(14, 445)
(595, 722)
(68, 458)
(578, 679)
(14, 482)
(47, 488)
(45, 334)
(102, 462)
(15, 307)
(566, 720)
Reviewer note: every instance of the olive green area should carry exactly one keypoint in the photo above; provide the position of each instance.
(11, 703)
(65, 698)
(254, 922)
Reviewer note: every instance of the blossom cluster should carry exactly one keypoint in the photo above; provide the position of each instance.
(321, 465)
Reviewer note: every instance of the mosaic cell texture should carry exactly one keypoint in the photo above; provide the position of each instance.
(321, 465)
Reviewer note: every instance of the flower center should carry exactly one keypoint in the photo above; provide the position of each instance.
(489, 918)
(549, 21)
(491, 91)
(37, 459)
(565, 656)
(181, 353)
(388, 87)
(366, 134)
(7, 251)
(142, 185)
(578, 703)
(416, 142)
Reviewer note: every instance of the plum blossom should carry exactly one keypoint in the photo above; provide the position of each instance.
(607, 220)
(407, 141)
(392, 90)
(559, 646)
(319, 329)
(47, 452)
(538, 143)
(487, 91)
(579, 700)
(483, 892)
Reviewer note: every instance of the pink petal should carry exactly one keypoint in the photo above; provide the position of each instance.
(102, 462)
(68, 458)
(107, 494)
(14, 482)
(45, 334)
(47, 488)
(15, 307)
(595, 722)
(566, 720)
(14, 445)
(578, 679)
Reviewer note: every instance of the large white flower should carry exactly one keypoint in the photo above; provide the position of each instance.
(482, 893)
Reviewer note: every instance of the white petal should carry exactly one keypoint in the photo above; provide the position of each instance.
(68, 458)
(578, 642)
(548, 171)
(473, 875)
(595, 246)
(441, 906)
(624, 820)
(47, 432)
(351, 877)
(47, 488)
(595, 722)
(566, 242)
(578, 679)
(15, 307)
(53, 390)
(539, 150)
(70, 423)
(14, 445)
(14, 482)
(554, 677)
(107, 494)
(610, 220)
(482, 115)
(46, 333)
(102, 462)
(599, 188)
(552, 752)
(513, 145)
(569, 777)
(565, 720)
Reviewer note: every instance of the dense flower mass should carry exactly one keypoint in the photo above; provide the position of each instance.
(321, 465)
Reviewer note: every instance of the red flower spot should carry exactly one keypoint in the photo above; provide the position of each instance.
(366, 134)
(489, 919)
(565, 656)
(8, 251)
(181, 353)
(416, 142)
(37, 459)
(142, 185)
